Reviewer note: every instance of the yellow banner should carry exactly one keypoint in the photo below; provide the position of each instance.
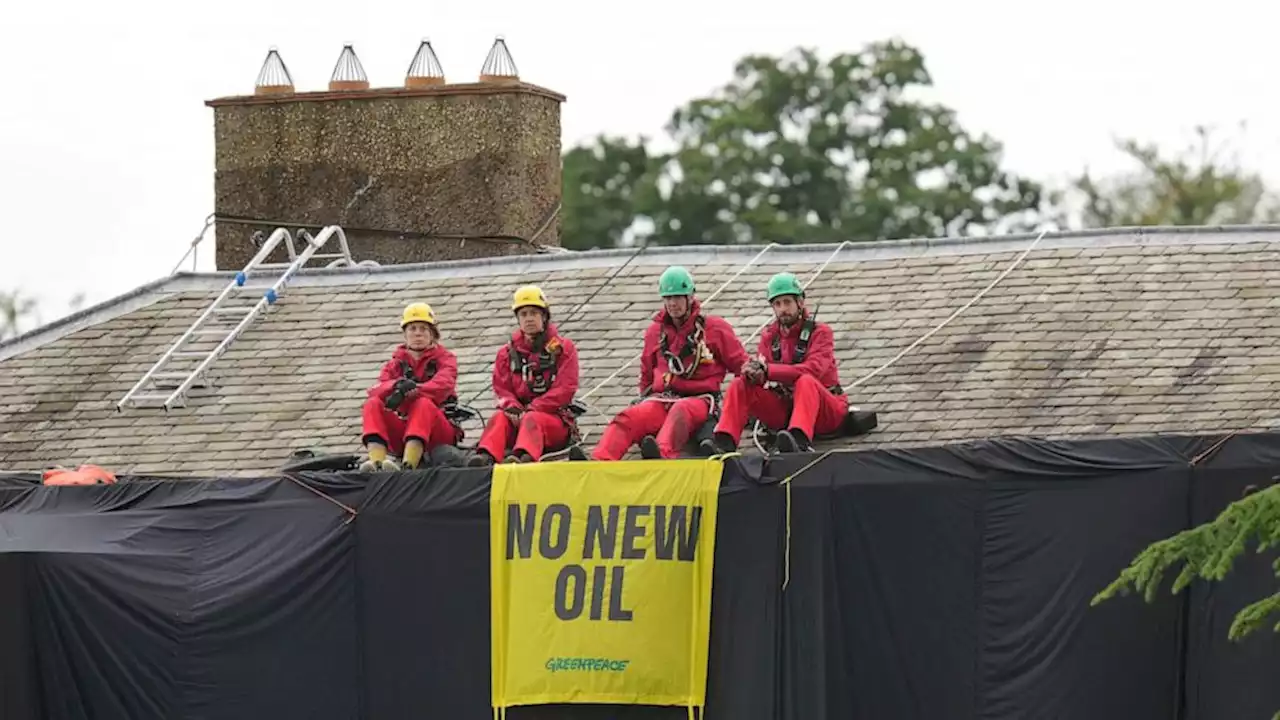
(601, 581)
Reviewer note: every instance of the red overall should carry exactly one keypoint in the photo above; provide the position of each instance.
(545, 421)
(423, 419)
(810, 406)
(674, 418)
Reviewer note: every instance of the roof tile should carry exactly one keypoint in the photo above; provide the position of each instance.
(1119, 336)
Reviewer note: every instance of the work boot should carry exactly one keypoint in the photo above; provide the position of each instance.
(518, 457)
(387, 465)
(649, 449)
(718, 444)
(480, 459)
(792, 441)
(577, 454)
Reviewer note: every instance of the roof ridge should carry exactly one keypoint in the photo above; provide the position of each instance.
(1171, 234)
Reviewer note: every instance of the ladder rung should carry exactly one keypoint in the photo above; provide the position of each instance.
(328, 256)
(242, 309)
(175, 375)
(219, 331)
(146, 398)
(190, 354)
(271, 266)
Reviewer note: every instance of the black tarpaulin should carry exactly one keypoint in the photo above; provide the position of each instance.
(949, 582)
(224, 599)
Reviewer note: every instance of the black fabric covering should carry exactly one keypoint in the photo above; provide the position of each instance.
(941, 582)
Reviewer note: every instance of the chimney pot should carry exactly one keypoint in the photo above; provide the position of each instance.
(348, 73)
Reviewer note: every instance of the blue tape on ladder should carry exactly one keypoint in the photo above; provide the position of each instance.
(240, 278)
(271, 296)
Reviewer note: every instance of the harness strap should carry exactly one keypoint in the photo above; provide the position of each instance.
(685, 364)
(802, 343)
(539, 371)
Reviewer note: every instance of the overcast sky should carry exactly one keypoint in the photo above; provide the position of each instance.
(106, 147)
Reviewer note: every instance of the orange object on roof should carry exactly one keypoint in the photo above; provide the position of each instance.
(83, 475)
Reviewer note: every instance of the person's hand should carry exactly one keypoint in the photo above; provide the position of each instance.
(754, 372)
(513, 412)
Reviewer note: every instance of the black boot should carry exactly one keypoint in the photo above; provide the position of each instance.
(649, 448)
(718, 444)
(480, 459)
(792, 441)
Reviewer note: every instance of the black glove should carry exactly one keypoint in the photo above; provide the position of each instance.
(398, 393)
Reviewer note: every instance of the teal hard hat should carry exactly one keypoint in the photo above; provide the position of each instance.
(784, 284)
(675, 280)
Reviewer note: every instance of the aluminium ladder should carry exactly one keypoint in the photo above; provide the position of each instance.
(166, 384)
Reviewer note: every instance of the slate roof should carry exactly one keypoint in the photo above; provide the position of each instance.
(1119, 332)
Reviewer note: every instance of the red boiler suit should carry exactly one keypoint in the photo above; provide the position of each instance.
(671, 408)
(545, 423)
(806, 402)
(436, 370)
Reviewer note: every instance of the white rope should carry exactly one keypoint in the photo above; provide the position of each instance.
(706, 302)
(981, 293)
(194, 246)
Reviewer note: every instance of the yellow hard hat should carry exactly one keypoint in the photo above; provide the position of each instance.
(417, 312)
(530, 295)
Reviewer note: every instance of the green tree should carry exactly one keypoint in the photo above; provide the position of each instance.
(1203, 184)
(801, 149)
(1208, 552)
(15, 310)
(604, 184)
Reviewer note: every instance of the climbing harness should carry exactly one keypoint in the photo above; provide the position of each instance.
(539, 370)
(691, 354)
(802, 343)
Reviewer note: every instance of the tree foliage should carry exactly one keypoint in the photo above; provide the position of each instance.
(19, 313)
(1208, 552)
(1204, 184)
(801, 149)
(15, 309)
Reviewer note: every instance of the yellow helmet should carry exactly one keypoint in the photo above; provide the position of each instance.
(418, 312)
(530, 295)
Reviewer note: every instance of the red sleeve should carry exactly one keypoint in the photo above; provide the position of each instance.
(503, 381)
(444, 384)
(726, 345)
(728, 352)
(561, 392)
(387, 379)
(648, 358)
(818, 359)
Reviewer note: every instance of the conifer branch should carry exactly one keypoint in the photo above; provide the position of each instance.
(1208, 552)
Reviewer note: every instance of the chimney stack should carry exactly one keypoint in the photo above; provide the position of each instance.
(418, 171)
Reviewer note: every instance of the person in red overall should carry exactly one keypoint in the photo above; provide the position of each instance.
(534, 378)
(402, 415)
(685, 359)
(794, 386)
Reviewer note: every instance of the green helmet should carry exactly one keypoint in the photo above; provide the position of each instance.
(675, 280)
(784, 284)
